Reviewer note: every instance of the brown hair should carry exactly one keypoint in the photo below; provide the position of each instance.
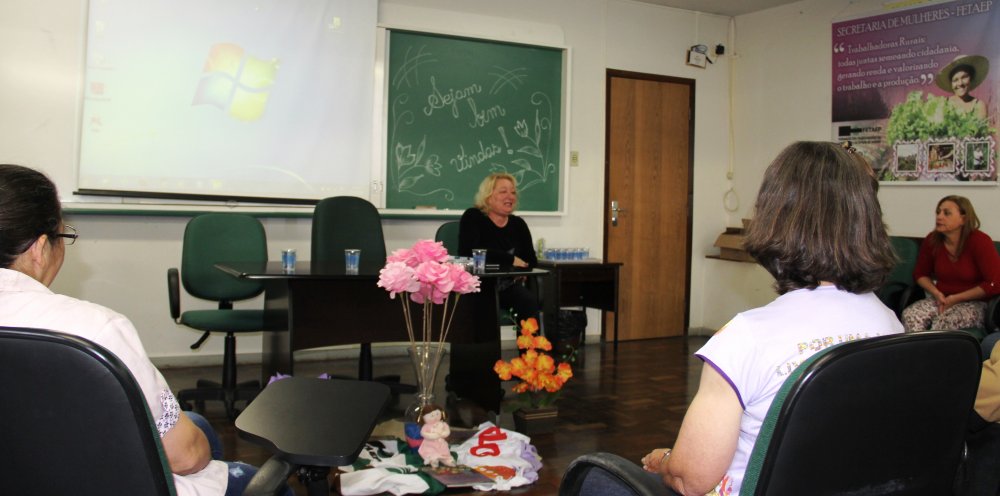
(486, 189)
(971, 222)
(817, 218)
(424, 410)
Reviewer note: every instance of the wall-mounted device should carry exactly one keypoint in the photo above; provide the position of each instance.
(697, 56)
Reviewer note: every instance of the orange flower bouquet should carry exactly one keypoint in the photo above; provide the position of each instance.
(541, 379)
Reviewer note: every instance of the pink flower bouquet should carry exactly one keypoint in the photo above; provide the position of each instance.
(423, 273)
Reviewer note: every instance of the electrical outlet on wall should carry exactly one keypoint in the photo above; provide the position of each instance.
(574, 158)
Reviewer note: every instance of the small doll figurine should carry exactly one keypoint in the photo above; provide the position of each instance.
(434, 428)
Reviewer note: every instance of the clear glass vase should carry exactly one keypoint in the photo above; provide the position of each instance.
(426, 360)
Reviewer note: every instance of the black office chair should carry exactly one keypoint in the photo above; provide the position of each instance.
(581, 477)
(343, 222)
(208, 240)
(75, 421)
(885, 415)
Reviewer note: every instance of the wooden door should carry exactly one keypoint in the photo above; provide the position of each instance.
(649, 167)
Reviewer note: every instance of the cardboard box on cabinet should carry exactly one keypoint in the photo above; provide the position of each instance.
(730, 244)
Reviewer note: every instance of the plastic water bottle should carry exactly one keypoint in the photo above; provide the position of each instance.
(541, 249)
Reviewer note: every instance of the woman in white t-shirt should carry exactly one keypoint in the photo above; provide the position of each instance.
(817, 228)
(33, 243)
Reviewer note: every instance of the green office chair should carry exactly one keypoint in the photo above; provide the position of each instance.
(885, 415)
(991, 321)
(343, 222)
(447, 234)
(210, 239)
(898, 289)
(867, 433)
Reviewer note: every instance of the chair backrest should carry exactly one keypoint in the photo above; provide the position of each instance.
(901, 277)
(74, 421)
(885, 415)
(447, 234)
(343, 222)
(906, 250)
(223, 237)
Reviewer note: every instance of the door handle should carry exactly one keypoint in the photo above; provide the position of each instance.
(615, 210)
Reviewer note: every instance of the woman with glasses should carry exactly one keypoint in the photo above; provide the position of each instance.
(33, 241)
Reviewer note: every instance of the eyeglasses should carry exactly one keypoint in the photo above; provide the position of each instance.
(69, 232)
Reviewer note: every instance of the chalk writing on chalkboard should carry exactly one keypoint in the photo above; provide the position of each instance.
(460, 109)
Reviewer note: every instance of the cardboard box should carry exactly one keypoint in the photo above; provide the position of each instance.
(730, 245)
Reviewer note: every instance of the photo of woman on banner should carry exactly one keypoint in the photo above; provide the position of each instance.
(962, 76)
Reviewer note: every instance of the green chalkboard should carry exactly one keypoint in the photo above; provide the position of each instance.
(459, 109)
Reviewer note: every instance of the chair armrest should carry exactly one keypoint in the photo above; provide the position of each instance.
(271, 479)
(891, 294)
(174, 293)
(909, 296)
(627, 473)
(992, 320)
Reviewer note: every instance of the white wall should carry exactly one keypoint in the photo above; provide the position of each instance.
(783, 94)
(121, 261)
(651, 39)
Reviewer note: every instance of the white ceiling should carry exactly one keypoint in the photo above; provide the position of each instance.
(730, 8)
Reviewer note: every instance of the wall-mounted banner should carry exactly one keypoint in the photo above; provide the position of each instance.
(917, 92)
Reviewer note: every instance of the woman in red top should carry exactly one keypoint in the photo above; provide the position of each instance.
(958, 267)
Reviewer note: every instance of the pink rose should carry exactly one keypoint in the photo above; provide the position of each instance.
(434, 281)
(417, 298)
(430, 251)
(462, 281)
(404, 255)
(423, 272)
(397, 277)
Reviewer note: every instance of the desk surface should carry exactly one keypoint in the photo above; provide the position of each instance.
(314, 421)
(320, 305)
(327, 270)
(590, 262)
(303, 270)
(587, 283)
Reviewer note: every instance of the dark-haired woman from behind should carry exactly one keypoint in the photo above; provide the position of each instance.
(817, 228)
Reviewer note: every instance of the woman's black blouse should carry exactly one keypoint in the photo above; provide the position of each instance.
(502, 244)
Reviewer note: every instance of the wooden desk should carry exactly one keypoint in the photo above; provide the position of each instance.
(313, 423)
(319, 305)
(583, 283)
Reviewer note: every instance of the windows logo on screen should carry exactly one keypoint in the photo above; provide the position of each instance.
(236, 82)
